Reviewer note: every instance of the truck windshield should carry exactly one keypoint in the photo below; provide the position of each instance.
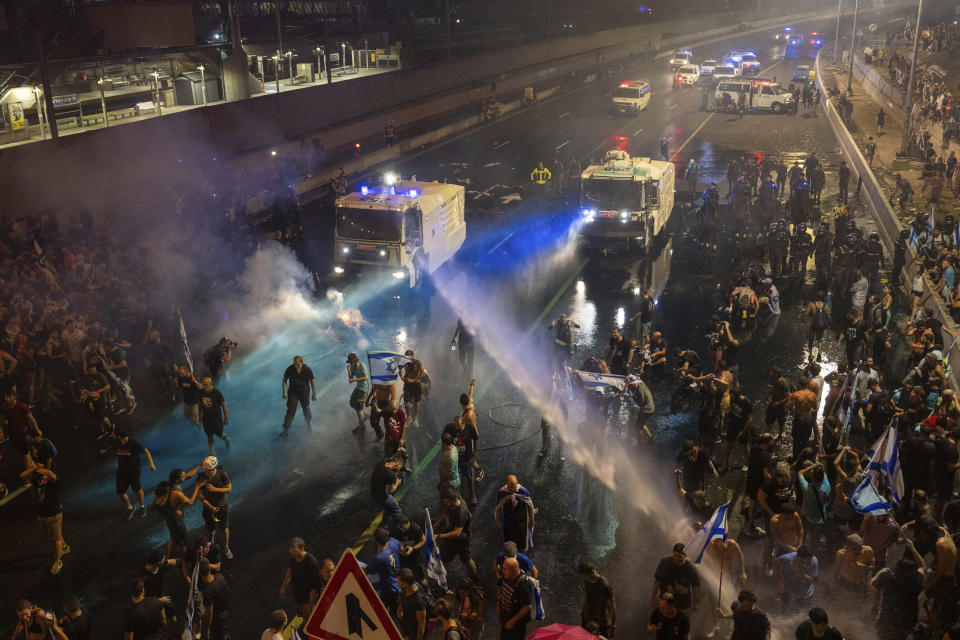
(364, 224)
(611, 194)
(626, 92)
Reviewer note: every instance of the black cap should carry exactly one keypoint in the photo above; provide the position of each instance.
(679, 548)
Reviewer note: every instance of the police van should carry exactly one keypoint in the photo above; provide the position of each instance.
(631, 96)
(760, 94)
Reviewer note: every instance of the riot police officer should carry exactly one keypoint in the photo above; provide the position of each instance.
(710, 200)
(822, 254)
(872, 259)
(800, 247)
(777, 243)
(767, 200)
(845, 262)
(795, 176)
(899, 256)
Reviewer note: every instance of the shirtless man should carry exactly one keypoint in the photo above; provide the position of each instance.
(785, 532)
(469, 416)
(803, 403)
(941, 583)
(728, 552)
(379, 399)
(854, 564)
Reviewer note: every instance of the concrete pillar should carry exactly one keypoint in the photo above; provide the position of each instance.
(236, 76)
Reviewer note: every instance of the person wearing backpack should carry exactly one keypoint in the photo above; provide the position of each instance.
(819, 312)
(450, 629)
(514, 601)
(412, 609)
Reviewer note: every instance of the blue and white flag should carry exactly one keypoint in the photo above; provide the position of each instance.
(435, 567)
(385, 366)
(715, 527)
(914, 240)
(193, 602)
(183, 340)
(883, 470)
(600, 381)
(867, 501)
(956, 235)
(847, 417)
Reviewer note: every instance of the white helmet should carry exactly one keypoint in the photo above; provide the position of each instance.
(210, 463)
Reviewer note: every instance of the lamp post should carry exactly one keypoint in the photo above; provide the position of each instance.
(911, 83)
(103, 101)
(836, 40)
(156, 83)
(853, 40)
(318, 51)
(289, 55)
(36, 95)
(276, 69)
(203, 85)
(343, 55)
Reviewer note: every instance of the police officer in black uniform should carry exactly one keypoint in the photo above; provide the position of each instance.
(777, 243)
(873, 259)
(800, 248)
(823, 255)
(899, 256)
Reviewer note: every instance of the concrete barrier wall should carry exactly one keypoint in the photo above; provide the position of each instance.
(887, 222)
(879, 89)
(114, 169)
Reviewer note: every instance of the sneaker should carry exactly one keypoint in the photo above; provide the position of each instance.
(227, 441)
(57, 566)
(143, 511)
(130, 513)
(228, 554)
(283, 434)
(309, 427)
(66, 549)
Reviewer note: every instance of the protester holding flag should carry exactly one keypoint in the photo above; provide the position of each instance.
(384, 374)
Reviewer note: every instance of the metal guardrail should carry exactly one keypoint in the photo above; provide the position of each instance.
(888, 223)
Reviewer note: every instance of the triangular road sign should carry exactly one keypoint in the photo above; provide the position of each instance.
(349, 608)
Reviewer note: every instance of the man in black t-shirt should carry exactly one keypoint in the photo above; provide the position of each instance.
(453, 530)
(412, 610)
(384, 482)
(465, 437)
(76, 621)
(739, 424)
(216, 602)
(749, 623)
(599, 605)
(693, 464)
(145, 617)
(666, 622)
(46, 485)
(303, 388)
(676, 575)
(128, 453)
(817, 627)
(213, 413)
(303, 576)
(190, 394)
(214, 486)
(411, 538)
(777, 491)
(758, 473)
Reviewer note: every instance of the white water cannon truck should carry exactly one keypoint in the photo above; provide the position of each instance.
(405, 229)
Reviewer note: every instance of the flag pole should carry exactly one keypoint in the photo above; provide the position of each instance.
(723, 556)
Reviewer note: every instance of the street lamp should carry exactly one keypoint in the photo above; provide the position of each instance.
(911, 83)
(36, 95)
(319, 52)
(203, 85)
(853, 42)
(156, 83)
(343, 55)
(276, 69)
(103, 101)
(289, 55)
(836, 40)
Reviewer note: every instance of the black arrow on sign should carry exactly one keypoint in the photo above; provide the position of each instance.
(356, 616)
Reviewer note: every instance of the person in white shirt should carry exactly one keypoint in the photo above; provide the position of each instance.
(276, 622)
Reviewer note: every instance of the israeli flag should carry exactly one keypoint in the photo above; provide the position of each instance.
(435, 567)
(956, 235)
(867, 501)
(385, 366)
(884, 465)
(714, 528)
(914, 240)
(194, 604)
(599, 381)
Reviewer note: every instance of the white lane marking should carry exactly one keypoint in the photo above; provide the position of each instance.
(513, 197)
(637, 132)
(497, 246)
(502, 144)
(674, 106)
(491, 164)
(563, 115)
(561, 146)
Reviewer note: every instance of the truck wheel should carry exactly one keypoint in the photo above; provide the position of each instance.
(777, 107)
